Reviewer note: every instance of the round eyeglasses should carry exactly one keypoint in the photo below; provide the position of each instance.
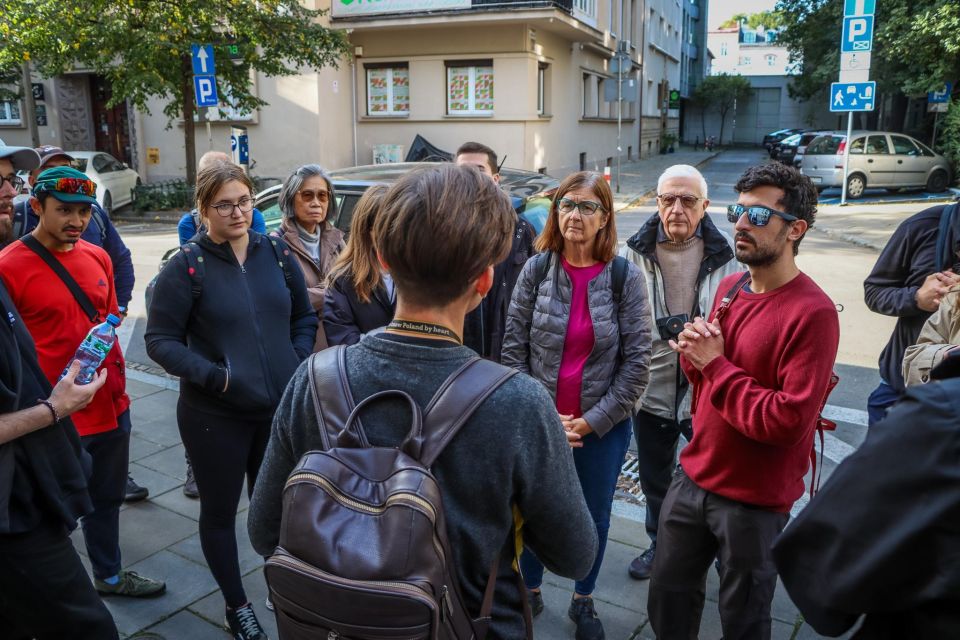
(225, 209)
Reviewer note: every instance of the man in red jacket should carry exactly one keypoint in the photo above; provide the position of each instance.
(760, 371)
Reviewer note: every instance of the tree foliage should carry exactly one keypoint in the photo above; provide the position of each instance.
(765, 19)
(722, 91)
(916, 44)
(142, 47)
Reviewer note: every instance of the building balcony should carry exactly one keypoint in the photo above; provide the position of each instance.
(691, 50)
(692, 9)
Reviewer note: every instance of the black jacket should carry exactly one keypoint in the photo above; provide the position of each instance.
(882, 537)
(484, 327)
(905, 262)
(245, 322)
(346, 318)
(43, 475)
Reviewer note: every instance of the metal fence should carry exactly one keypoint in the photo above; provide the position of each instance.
(178, 195)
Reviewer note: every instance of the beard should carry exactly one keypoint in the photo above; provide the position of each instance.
(6, 229)
(760, 256)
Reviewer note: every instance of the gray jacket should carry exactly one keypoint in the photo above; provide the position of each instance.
(666, 395)
(617, 370)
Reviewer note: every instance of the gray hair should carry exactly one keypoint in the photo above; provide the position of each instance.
(294, 183)
(683, 171)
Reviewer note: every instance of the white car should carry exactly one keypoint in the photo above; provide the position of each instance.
(115, 180)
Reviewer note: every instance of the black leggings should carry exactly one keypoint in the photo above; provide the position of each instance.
(223, 450)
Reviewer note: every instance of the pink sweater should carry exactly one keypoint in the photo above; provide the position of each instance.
(578, 343)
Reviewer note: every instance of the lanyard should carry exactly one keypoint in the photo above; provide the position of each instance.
(424, 329)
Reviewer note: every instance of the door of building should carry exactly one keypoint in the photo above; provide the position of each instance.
(110, 124)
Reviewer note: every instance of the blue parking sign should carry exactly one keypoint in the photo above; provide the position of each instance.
(857, 34)
(205, 90)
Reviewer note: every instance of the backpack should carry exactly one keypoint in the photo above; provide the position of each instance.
(363, 550)
(195, 268)
(618, 277)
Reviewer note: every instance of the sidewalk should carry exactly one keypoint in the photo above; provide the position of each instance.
(639, 178)
(159, 539)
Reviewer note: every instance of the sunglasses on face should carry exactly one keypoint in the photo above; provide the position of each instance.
(757, 215)
(586, 207)
(309, 196)
(14, 181)
(687, 201)
(67, 185)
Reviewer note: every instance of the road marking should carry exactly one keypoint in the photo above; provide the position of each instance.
(844, 414)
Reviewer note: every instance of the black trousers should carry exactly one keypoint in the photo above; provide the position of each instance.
(223, 451)
(45, 593)
(694, 525)
(657, 439)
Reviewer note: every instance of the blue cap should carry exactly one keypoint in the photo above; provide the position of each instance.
(113, 320)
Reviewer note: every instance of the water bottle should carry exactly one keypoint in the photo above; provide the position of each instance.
(94, 349)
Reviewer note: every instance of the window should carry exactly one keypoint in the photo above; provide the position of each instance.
(388, 89)
(723, 49)
(878, 145)
(903, 146)
(542, 69)
(591, 95)
(470, 87)
(10, 112)
(771, 60)
(588, 7)
(745, 60)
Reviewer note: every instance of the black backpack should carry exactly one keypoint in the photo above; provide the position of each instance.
(363, 550)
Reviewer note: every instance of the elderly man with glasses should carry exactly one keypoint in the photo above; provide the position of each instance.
(684, 257)
(760, 363)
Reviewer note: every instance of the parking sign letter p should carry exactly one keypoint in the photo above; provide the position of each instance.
(858, 28)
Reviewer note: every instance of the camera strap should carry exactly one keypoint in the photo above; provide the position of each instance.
(728, 299)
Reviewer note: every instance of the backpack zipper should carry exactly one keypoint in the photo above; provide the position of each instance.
(347, 501)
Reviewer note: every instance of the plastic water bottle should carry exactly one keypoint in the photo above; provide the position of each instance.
(94, 349)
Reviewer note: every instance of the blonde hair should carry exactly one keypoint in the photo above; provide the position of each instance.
(359, 258)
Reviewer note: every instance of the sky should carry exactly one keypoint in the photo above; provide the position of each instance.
(721, 10)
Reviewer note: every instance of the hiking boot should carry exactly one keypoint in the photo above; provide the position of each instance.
(535, 599)
(585, 616)
(132, 585)
(134, 492)
(190, 486)
(642, 565)
(242, 623)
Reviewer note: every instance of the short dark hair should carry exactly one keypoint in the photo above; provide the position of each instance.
(605, 244)
(799, 194)
(476, 147)
(438, 229)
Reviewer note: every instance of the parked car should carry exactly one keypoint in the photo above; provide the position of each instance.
(800, 149)
(115, 180)
(877, 159)
(776, 149)
(776, 136)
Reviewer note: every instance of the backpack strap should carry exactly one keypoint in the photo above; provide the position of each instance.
(327, 371)
(453, 404)
(97, 216)
(283, 259)
(195, 268)
(619, 277)
(78, 294)
(541, 267)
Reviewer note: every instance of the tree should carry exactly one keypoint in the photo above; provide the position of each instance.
(765, 19)
(143, 48)
(722, 91)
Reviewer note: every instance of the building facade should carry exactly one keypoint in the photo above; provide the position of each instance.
(532, 79)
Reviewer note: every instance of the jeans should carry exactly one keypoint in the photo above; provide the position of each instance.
(46, 593)
(657, 439)
(598, 465)
(880, 400)
(695, 525)
(107, 485)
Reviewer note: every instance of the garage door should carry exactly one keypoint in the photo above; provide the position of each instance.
(759, 116)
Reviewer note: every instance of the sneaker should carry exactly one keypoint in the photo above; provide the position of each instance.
(132, 585)
(268, 604)
(242, 623)
(190, 486)
(585, 616)
(535, 600)
(135, 493)
(642, 565)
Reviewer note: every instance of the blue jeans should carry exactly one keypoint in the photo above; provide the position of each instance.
(107, 485)
(598, 465)
(880, 400)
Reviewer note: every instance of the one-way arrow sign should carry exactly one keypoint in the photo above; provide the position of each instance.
(203, 64)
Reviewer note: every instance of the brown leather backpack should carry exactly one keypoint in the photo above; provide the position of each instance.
(363, 551)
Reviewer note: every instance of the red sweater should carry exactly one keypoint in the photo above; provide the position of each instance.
(755, 407)
(58, 324)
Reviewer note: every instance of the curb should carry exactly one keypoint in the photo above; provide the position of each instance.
(854, 240)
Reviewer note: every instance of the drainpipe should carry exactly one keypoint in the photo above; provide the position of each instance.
(353, 106)
(643, 80)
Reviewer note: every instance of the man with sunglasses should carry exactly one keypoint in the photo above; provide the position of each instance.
(760, 370)
(684, 257)
(62, 286)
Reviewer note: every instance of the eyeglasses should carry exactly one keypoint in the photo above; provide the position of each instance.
(226, 208)
(309, 196)
(757, 215)
(14, 181)
(65, 185)
(687, 201)
(586, 207)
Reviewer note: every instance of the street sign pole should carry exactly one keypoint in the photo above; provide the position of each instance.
(846, 159)
(936, 121)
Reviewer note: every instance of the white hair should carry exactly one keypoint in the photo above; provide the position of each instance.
(683, 171)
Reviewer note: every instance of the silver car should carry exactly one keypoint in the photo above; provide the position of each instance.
(877, 159)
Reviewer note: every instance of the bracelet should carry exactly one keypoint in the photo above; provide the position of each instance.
(53, 410)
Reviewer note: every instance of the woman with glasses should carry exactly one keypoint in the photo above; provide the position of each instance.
(231, 318)
(307, 200)
(578, 324)
(360, 298)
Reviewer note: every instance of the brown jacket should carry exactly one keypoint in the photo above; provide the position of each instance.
(940, 333)
(315, 274)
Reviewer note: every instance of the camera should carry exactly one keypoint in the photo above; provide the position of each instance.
(671, 326)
